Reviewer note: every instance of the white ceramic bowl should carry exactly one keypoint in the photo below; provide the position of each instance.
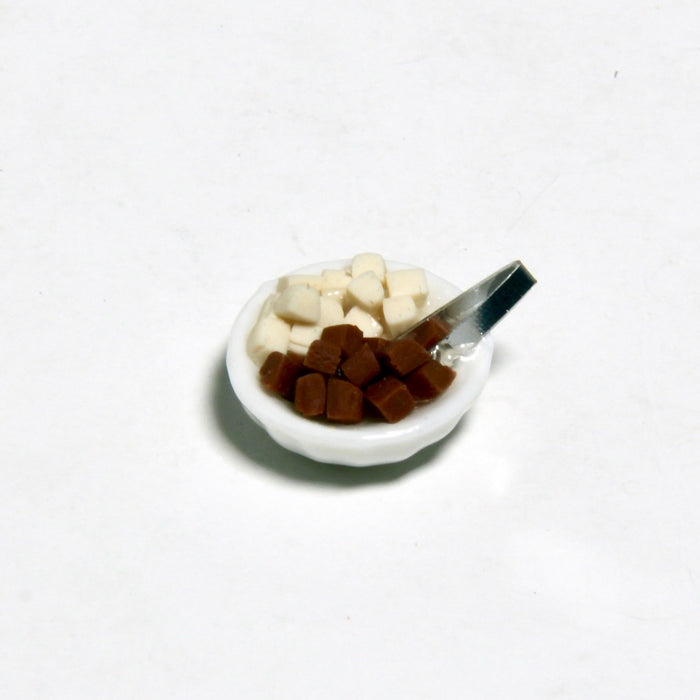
(364, 444)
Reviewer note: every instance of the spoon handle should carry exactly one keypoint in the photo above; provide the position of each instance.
(473, 313)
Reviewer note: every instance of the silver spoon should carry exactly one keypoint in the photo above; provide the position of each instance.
(473, 313)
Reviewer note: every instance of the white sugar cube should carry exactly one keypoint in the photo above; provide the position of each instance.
(301, 336)
(331, 312)
(299, 303)
(268, 335)
(368, 262)
(400, 313)
(334, 283)
(412, 281)
(335, 294)
(313, 281)
(369, 325)
(268, 306)
(366, 291)
(334, 279)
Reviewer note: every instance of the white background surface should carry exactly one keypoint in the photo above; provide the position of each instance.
(158, 160)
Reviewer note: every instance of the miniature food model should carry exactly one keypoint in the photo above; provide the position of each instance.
(326, 343)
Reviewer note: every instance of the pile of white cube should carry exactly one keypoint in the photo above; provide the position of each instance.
(382, 303)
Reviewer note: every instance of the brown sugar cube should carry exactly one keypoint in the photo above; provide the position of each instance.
(361, 367)
(279, 373)
(376, 344)
(405, 355)
(323, 356)
(343, 401)
(391, 398)
(430, 332)
(295, 357)
(429, 380)
(310, 395)
(346, 335)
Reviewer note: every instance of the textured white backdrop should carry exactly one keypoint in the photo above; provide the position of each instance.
(158, 162)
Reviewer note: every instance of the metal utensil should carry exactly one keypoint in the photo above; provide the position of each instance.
(473, 313)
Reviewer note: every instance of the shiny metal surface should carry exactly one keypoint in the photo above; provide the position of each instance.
(475, 312)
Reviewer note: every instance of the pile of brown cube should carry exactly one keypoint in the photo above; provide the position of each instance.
(346, 377)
